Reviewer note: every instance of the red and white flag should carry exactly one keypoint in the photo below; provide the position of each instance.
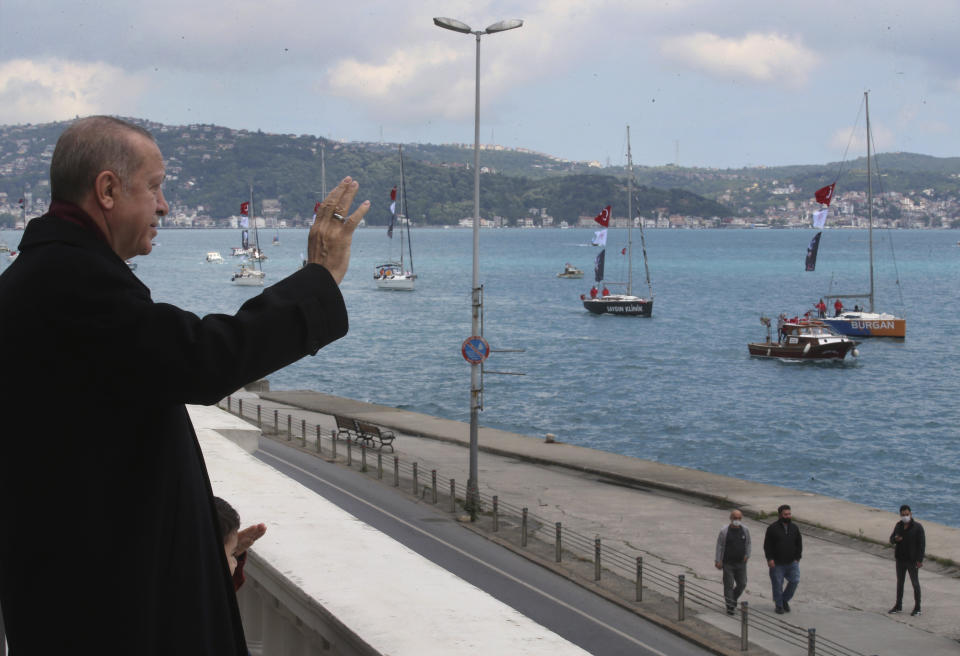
(623, 251)
(244, 208)
(316, 208)
(604, 217)
(825, 194)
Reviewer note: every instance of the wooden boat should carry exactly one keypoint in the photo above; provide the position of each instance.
(860, 323)
(803, 339)
(623, 304)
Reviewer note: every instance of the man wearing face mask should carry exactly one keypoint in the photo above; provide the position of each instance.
(909, 551)
(783, 547)
(733, 551)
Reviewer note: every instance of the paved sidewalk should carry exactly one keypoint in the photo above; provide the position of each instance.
(671, 516)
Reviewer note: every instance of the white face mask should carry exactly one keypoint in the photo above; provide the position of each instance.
(905, 519)
(735, 523)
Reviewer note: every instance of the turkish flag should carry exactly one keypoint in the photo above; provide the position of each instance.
(825, 194)
(316, 208)
(604, 217)
(393, 193)
(623, 251)
(244, 208)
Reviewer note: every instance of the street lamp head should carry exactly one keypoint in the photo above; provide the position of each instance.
(504, 25)
(452, 24)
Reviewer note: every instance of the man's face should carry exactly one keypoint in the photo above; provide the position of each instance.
(736, 516)
(132, 222)
(786, 514)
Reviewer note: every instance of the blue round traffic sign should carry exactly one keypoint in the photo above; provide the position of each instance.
(475, 349)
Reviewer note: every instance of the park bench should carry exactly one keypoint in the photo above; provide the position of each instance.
(347, 429)
(364, 432)
(373, 433)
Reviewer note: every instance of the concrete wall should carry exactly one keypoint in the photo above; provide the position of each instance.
(312, 586)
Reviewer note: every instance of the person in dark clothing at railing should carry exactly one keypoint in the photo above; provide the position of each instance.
(911, 547)
(96, 429)
(783, 547)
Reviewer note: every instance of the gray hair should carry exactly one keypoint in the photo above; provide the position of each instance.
(88, 147)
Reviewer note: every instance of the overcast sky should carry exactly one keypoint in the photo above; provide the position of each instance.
(700, 82)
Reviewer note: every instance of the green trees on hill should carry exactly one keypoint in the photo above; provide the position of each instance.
(212, 168)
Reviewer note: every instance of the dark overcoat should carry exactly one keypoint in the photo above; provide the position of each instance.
(108, 536)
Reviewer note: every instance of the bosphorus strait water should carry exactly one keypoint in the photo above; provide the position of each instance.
(680, 388)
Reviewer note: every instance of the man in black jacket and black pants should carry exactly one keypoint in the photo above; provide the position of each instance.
(909, 551)
(783, 547)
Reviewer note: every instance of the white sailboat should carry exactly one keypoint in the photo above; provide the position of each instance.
(624, 304)
(393, 274)
(249, 275)
(868, 322)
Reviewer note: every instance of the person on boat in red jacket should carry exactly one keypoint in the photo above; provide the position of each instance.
(605, 292)
(593, 292)
(821, 309)
(837, 307)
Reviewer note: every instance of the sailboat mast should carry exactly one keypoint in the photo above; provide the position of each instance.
(629, 218)
(402, 208)
(866, 104)
(403, 196)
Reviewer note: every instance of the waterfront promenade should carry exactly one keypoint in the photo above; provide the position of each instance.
(671, 517)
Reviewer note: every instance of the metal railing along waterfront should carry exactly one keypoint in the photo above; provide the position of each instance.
(506, 519)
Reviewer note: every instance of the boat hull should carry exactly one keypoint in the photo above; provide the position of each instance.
(833, 350)
(631, 306)
(868, 326)
(396, 283)
(572, 276)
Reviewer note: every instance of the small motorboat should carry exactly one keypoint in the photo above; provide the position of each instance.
(803, 339)
(248, 277)
(214, 256)
(570, 271)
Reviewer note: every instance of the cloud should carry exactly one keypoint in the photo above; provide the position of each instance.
(37, 91)
(884, 139)
(758, 57)
(404, 78)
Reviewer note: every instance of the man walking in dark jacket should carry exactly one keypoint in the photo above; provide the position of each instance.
(909, 552)
(783, 547)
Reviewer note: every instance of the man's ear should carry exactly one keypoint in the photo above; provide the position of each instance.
(106, 186)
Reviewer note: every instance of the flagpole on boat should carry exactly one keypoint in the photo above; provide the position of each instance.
(866, 104)
(629, 218)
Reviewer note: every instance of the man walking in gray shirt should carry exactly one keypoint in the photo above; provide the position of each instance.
(733, 551)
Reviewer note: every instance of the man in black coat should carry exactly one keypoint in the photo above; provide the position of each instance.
(910, 549)
(109, 540)
(783, 547)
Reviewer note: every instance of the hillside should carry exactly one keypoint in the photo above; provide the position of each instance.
(210, 169)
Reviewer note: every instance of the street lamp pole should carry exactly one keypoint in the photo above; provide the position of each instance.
(473, 489)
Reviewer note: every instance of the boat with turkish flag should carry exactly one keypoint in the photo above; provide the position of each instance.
(864, 322)
(601, 301)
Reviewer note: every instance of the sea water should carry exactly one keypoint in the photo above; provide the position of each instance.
(880, 429)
